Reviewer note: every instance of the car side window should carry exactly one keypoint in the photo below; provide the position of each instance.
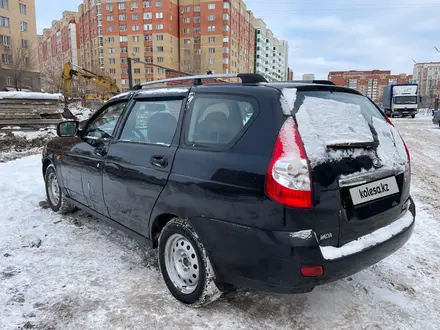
(152, 122)
(216, 120)
(102, 127)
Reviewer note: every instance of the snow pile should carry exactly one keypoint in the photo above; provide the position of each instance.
(376, 237)
(31, 96)
(425, 112)
(31, 135)
(80, 112)
(324, 122)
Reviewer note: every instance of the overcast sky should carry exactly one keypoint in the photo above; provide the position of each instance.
(329, 35)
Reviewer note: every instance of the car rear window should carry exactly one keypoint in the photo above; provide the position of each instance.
(367, 108)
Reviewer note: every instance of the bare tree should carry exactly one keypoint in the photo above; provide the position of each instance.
(24, 58)
(52, 80)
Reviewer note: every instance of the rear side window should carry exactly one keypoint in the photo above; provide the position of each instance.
(152, 122)
(218, 120)
(367, 109)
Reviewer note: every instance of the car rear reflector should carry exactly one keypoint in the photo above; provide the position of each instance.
(288, 178)
(312, 271)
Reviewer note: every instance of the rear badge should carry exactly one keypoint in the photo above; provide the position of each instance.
(325, 236)
(377, 163)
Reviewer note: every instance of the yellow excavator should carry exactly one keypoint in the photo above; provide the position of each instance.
(69, 72)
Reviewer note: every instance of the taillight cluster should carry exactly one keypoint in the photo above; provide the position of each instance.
(288, 178)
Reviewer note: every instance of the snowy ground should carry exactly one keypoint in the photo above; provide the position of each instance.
(74, 272)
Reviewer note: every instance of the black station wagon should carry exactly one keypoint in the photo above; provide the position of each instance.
(277, 187)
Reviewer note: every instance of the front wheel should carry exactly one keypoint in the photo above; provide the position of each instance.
(185, 265)
(54, 193)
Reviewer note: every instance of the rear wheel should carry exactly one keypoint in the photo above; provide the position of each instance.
(185, 265)
(413, 116)
(54, 193)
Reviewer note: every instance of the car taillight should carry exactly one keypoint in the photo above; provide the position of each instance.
(288, 178)
(403, 141)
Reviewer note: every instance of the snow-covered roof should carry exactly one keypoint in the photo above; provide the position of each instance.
(30, 96)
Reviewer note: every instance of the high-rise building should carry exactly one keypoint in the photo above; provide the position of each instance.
(369, 83)
(289, 74)
(188, 35)
(271, 54)
(18, 45)
(427, 76)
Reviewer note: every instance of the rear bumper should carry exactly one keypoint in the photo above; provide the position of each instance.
(271, 261)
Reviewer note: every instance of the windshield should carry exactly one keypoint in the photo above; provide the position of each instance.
(405, 100)
(367, 108)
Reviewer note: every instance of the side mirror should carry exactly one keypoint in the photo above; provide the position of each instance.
(67, 128)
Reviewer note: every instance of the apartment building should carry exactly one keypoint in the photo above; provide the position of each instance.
(18, 45)
(187, 35)
(427, 76)
(289, 74)
(308, 76)
(271, 54)
(369, 83)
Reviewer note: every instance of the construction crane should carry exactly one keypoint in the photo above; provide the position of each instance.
(69, 72)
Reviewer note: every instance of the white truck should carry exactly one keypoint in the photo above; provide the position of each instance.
(400, 100)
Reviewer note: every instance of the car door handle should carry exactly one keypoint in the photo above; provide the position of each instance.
(159, 161)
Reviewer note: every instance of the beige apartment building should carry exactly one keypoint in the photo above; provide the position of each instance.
(18, 45)
(188, 35)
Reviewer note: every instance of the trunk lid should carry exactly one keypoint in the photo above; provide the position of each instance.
(358, 162)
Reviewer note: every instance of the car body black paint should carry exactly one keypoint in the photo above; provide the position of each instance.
(221, 192)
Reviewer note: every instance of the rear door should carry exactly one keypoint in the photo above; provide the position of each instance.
(360, 168)
(139, 161)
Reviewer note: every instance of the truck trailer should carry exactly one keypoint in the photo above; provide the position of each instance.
(400, 100)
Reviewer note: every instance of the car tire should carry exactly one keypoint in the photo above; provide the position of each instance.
(413, 116)
(54, 193)
(185, 265)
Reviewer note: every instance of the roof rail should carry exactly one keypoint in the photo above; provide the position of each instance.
(246, 78)
(320, 82)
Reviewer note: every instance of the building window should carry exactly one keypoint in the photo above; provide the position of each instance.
(4, 4)
(148, 70)
(186, 31)
(111, 61)
(7, 59)
(135, 27)
(159, 48)
(197, 52)
(123, 39)
(211, 17)
(226, 60)
(197, 30)
(211, 39)
(122, 28)
(109, 18)
(211, 28)
(226, 50)
(186, 41)
(186, 9)
(137, 70)
(186, 20)
(159, 37)
(124, 49)
(160, 70)
(112, 71)
(158, 3)
(160, 60)
(148, 37)
(135, 38)
(9, 81)
(123, 60)
(147, 4)
(5, 40)
(24, 44)
(226, 17)
(197, 19)
(109, 8)
(211, 60)
(159, 14)
(121, 5)
(186, 52)
(122, 17)
(110, 28)
(226, 5)
(23, 26)
(159, 26)
(134, 5)
(211, 6)
(23, 9)
(196, 40)
(211, 50)
(225, 27)
(148, 15)
(134, 17)
(148, 27)
(111, 50)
